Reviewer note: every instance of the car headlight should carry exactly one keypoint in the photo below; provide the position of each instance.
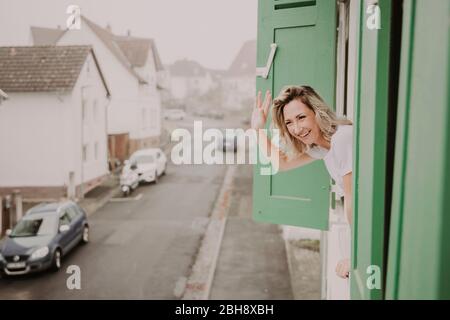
(40, 253)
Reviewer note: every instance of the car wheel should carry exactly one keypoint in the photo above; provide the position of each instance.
(85, 237)
(56, 264)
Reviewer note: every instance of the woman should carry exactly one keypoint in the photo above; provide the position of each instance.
(312, 131)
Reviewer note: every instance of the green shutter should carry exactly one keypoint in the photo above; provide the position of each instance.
(305, 33)
(371, 112)
(419, 250)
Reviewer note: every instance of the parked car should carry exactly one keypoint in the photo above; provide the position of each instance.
(44, 235)
(151, 163)
(174, 114)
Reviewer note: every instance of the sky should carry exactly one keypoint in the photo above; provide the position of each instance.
(208, 31)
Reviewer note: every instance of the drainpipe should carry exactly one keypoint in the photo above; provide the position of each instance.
(82, 140)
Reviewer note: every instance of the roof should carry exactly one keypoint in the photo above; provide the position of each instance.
(187, 68)
(48, 207)
(245, 61)
(45, 36)
(136, 50)
(130, 51)
(43, 68)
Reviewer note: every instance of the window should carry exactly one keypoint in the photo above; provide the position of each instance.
(144, 118)
(72, 212)
(85, 153)
(96, 150)
(95, 110)
(29, 227)
(152, 118)
(83, 109)
(64, 219)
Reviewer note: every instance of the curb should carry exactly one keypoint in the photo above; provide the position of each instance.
(98, 203)
(198, 285)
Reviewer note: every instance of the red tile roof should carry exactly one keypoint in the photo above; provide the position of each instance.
(42, 68)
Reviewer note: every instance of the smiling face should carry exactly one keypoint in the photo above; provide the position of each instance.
(300, 121)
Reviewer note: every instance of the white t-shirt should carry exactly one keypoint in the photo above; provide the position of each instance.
(338, 159)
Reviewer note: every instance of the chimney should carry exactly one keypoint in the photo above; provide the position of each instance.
(129, 33)
(108, 27)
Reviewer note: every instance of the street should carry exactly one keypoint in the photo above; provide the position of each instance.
(139, 249)
(144, 246)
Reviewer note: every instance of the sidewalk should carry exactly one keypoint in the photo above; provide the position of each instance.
(100, 195)
(255, 260)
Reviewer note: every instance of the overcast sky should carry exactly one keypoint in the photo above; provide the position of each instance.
(209, 31)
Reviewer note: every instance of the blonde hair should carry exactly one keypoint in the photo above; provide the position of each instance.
(325, 117)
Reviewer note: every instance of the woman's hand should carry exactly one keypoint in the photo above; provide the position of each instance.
(343, 268)
(259, 115)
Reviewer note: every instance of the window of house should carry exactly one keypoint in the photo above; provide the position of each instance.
(144, 118)
(96, 151)
(84, 109)
(85, 155)
(152, 118)
(95, 110)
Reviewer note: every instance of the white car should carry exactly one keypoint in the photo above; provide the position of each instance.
(174, 114)
(151, 163)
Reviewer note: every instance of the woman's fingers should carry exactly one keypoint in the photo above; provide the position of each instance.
(258, 100)
(267, 102)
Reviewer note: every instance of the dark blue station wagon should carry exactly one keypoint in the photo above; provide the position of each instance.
(42, 237)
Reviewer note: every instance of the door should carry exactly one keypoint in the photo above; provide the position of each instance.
(305, 34)
(76, 223)
(419, 250)
(66, 237)
(375, 102)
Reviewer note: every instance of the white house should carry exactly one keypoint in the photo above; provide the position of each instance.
(188, 78)
(53, 126)
(239, 81)
(134, 73)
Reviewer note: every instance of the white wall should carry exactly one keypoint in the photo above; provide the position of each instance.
(183, 87)
(125, 108)
(90, 87)
(31, 140)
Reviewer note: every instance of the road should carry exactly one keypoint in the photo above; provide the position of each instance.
(143, 247)
(139, 249)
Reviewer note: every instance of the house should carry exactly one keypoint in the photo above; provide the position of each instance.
(239, 81)
(133, 71)
(53, 128)
(387, 69)
(189, 79)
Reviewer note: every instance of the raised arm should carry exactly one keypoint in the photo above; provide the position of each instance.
(259, 118)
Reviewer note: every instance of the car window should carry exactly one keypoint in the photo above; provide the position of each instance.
(143, 159)
(72, 212)
(64, 219)
(79, 210)
(45, 225)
